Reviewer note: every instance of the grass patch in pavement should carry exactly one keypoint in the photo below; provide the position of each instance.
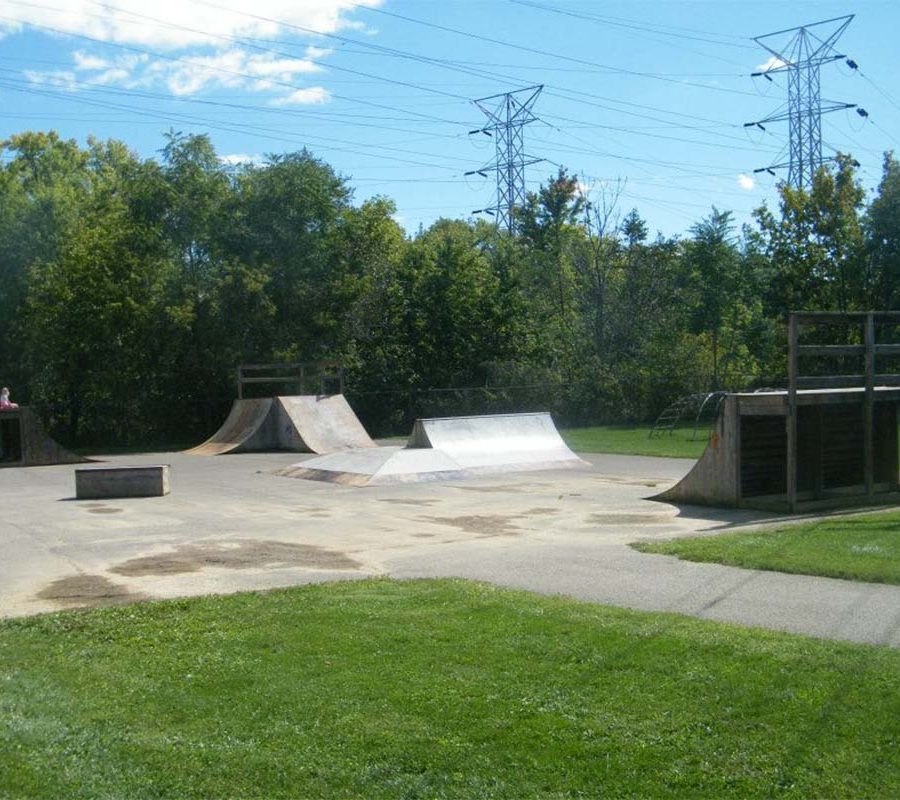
(860, 548)
(385, 689)
(635, 440)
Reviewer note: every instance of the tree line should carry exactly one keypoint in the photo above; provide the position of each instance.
(131, 288)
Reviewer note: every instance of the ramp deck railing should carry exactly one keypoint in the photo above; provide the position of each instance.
(865, 378)
(325, 376)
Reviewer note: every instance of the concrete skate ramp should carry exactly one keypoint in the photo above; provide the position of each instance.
(302, 423)
(447, 449)
(25, 443)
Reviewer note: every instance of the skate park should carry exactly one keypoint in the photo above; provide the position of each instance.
(261, 519)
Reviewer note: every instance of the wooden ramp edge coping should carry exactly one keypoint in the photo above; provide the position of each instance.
(105, 482)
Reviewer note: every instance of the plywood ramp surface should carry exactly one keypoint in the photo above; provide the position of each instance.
(246, 428)
(320, 424)
(302, 423)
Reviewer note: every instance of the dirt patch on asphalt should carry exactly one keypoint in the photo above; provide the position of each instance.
(629, 519)
(104, 510)
(517, 488)
(482, 524)
(403, 501)
(88, 590)
(492, 524)
(237, 554)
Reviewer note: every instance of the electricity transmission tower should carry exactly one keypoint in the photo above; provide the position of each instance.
(800, 52)
(507, 115)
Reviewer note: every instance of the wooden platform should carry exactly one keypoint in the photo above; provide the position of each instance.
(828, 440)
(25, 443)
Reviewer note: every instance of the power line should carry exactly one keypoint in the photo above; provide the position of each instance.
(537, 51)
(664, 30)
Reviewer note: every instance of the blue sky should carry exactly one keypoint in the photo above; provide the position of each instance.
(649, 97)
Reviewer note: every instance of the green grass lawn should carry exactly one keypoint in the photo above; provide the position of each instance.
(635, 440)
(435, 689)
(861, 548)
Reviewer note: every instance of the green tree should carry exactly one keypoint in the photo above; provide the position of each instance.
(454, 304)
(714, 265)
(882, 232)
(91, 313)
(43, 188)
(289, 221)
(549, 232)
(815, 248)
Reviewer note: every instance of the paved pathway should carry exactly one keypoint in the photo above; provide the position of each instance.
(231, 525)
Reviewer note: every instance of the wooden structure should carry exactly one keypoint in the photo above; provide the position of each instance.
(825, 441)
(323, 377)
(302, 423)
(25, 443)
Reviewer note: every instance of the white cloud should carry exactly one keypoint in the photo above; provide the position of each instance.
(58, 79)
(746, 182)
(176, 24)
(773, 63)
(197, 37)
(191, 74)
(235, 159)
(582, 188)
(314, 95)
(86, 61)
(318, 52)
(233, 68)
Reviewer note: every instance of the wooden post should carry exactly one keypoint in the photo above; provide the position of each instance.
(869, 405)
(240, 382)
(791, 419)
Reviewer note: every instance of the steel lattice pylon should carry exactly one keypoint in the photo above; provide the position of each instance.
(800, 52)
(507, 115)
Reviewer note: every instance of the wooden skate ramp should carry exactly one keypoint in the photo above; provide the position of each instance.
(248, 428)
(319, 424)
(25, 443)
(746, 464)
(300, 423)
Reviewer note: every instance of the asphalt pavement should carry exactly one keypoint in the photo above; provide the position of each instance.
(231, 524)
